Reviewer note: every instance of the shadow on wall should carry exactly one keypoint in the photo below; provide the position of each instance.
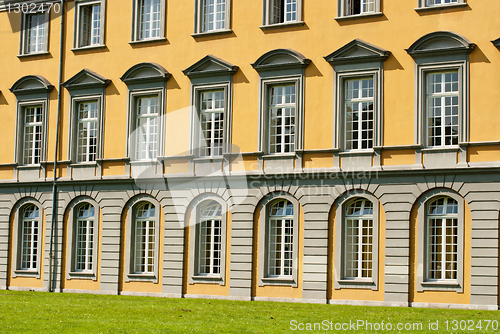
(3, 100)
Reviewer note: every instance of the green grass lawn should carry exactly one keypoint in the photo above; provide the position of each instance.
(36, 312)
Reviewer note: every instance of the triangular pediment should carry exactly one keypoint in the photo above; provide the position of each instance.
(440, 42)
(86, 79)
(280, 59)
(357, 51)
(31, 84)
(496, 43)
(209, 66)
(145, 72)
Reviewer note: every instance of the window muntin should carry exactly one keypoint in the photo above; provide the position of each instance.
(356, 7)
(33, 125)
(283, 11)
(358, 240)
(442, 240)
(282, 110)
(35, 33)
(146, 131)
(440, 2)
(212, 123)
(30, 238)
(359, 113)
(90, 25)
(87, 131)
(443, 108)
(280, 241)
(85, 217)
(210, 239)
(213, 15)
(149, 19)
(145, 238)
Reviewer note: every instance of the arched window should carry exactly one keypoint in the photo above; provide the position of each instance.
(358, 239)
(85, 216)
(210, 239)
(144, 238)
(280, 242)
(442, 239)
(30, 219)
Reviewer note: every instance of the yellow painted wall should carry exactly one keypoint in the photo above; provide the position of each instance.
(80, 284)
(318, 160)
(483, 153)
(356, 294)
(26, 282)
(274, 290)
(450, 297)
(397, 157)
(140, 286)
(476, 22)
(207, 288)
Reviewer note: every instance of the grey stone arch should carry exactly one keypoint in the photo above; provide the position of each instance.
(340, 203)
(191, 219)
(69, 237)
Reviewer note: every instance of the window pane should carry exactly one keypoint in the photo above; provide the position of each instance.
(87, 131)
(29, 241)
(145, 238)
(282, 106)
(32, 149)
(146, 127)
(150, 19)
(359, 113)
(212, 123)
(35, 33)
(280, 249)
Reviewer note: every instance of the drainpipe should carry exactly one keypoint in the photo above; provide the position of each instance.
(52, 258)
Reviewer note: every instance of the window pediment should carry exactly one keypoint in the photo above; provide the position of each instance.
(86, 79)
(281, 59)
(496, 43)
(31, 84)
(440, 42)
(209, 66)
(145, 72)
(357, 51)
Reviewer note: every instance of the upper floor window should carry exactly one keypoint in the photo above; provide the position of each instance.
(359, 105)
(34, 33)
(282, 11)
(442, 105)
(30, 237)
(282, 109)
(358, 7)
(87, 131)
(432, 3)
(149, 20)
(32, 138)
(212, 123)
(146, 127)
(89, 20)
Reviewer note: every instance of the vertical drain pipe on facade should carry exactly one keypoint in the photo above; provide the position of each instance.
(52, 258)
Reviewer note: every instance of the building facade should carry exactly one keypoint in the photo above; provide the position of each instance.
(343, 152)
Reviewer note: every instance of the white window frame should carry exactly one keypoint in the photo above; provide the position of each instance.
(269, 13)
(265, 246)
(212, 122)
(360, 101)
(136, 22)
(17, 246)
(133, 140)
(280, 224)
(87, 225)
(273, 146)
(33, 159)
(442, 3)
(79, 5)
(422, 278)
(130, 239)
(143, 259)
(89, 120)
(199, 19)
(195, 276)
(346, 7)
(30, 228)
(25, 34)
(341, 281)
(71, 257)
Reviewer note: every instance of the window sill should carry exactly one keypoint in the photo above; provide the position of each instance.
(33, 54)
(357, 152)
(89, 48)
(82, 275)
(28, 167)
(453, 148)
(142, 278)
(209, 159)
(27, 273)
(359, 16)
(83, 164)
(282, 25)
(287, 281)
(207, 279)
(279, 156)
(212, 33)
(367, 284)
(441, 286)
(440, 7)
(151, 40)
(144, 162)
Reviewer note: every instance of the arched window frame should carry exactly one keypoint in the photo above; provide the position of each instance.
(194, 235)
(265, 208)
(340, 217)
(17, 240)
(72, 240)
(422, 282)
(130, 274)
